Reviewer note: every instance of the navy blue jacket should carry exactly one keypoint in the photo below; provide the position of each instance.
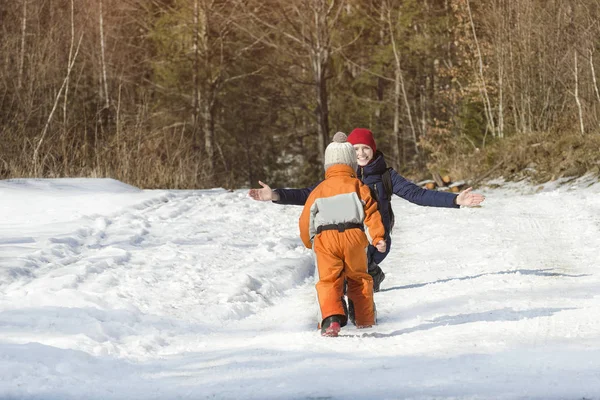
(370, 175)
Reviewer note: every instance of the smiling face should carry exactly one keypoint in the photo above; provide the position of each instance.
(364, 154)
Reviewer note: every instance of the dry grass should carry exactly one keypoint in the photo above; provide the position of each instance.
(169, 159)
(539, 156)
(146, 160)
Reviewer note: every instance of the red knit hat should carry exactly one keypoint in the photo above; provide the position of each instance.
(362, 136)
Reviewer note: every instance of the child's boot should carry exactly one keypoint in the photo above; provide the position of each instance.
(331, 326)
(377, 275)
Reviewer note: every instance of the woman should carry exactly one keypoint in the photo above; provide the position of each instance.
(373, 171)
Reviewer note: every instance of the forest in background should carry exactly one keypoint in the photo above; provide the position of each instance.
(221, 93)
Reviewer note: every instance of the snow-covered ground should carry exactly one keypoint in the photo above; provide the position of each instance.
(110, 292)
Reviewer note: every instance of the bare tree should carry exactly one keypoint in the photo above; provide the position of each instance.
(302, 30)
(22, 50)
(592, 69)
(71, 63)
(483, 87)
(576, 93)
(399, 88)
(64, 135)
(104, 90)
(214, 56)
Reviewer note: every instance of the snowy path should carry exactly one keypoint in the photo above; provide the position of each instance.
(108, 292)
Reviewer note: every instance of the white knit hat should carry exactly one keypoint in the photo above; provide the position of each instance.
(340, 151)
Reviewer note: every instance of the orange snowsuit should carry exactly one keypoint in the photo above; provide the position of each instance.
(332, 223)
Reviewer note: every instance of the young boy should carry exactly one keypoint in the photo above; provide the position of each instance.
(339, 221)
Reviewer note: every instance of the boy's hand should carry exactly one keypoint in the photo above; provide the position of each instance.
(381, 246)
(264, 194)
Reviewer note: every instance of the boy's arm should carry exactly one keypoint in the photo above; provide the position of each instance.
(305, 221)
(373, 223)
(417, 195)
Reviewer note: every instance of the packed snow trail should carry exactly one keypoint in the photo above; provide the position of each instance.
(210, 295)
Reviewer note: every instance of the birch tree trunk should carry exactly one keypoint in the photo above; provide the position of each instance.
(320, 59)
(206, 91)
(49, 120)
(500, 60)
(483, 87)
(103, 59)
(399, 86)
(22, 50)
(380, 80)
(196, 68)
(594, 75)
(576, 94)
(65, 152)
(398, 143)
